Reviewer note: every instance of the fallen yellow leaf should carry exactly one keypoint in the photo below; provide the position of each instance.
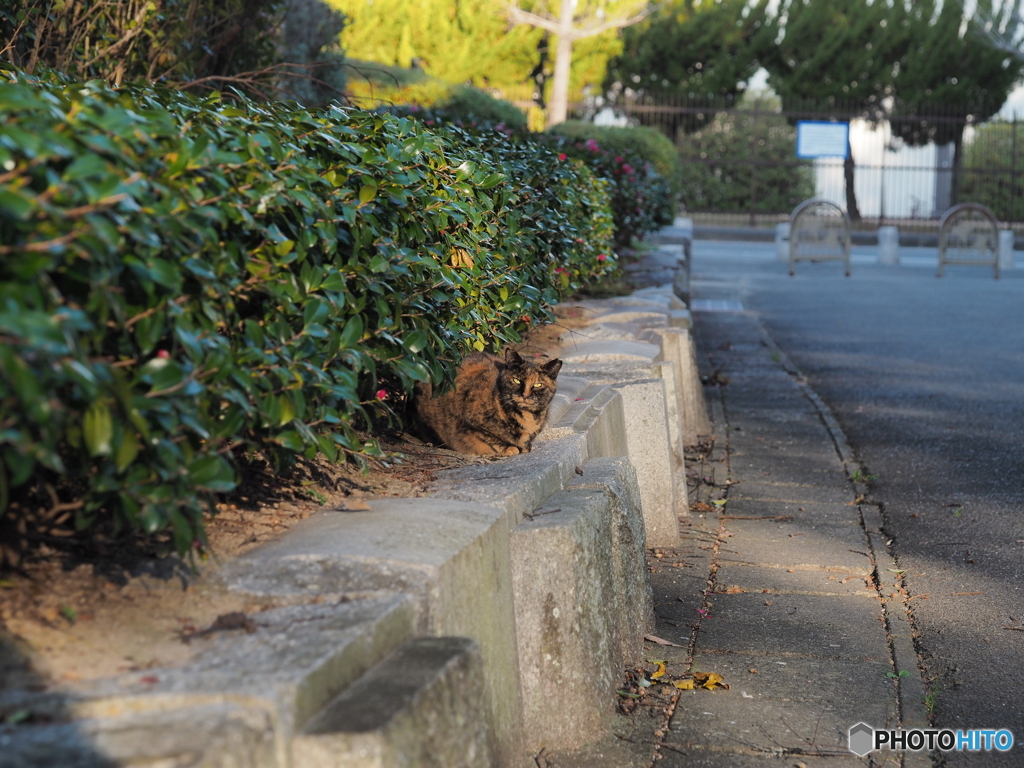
(709, 680)
(660, 671)
(684, 685)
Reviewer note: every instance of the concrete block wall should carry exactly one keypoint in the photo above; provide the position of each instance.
(469, 628)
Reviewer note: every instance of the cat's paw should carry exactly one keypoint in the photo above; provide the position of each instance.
(511, 451)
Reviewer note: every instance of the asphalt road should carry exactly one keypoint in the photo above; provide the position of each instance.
(926, 378)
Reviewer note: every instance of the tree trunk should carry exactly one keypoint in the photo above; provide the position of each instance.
(559, 108)
(958, 154)
(851, 194)
(539, 74)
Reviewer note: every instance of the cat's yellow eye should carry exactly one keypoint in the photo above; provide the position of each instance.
(516, 381)
(538, 386)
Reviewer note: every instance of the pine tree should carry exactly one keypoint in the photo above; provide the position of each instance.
(953, 74)
(840, 55)
(690, 48)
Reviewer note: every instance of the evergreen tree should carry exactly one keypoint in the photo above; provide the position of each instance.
(952, 75)
(689, 48)
(839, 55)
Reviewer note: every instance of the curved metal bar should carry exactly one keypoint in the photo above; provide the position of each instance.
(946, 223)
(802, 211)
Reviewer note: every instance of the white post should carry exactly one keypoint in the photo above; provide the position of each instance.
(686, 223)
(782, 241)
(1005, 249)
(888, 245)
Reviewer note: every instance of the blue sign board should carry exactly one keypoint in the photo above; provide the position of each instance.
(818, 138)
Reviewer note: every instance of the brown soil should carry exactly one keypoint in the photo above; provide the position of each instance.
(77, 614)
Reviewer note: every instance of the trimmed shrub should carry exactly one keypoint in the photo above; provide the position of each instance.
(181, 279)
(473, 105)
(719, 157)
(641, 198)
(565, 206)
(651, 144)
(372, 84)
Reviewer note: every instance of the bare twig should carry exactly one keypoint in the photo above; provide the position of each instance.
(756, 517)
(39, 245)
(115, 49)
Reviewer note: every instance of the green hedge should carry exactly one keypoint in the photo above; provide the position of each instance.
(641, 199)
(372, 84)
(719, 158)
(181, 279)
(650, 144)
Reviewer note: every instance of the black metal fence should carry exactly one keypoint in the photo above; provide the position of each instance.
(908, 168)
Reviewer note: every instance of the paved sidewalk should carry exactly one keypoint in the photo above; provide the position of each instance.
(781, 585)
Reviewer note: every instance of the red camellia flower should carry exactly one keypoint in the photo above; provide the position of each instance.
(562, 156)
(560, 270)
(618, 159)
(163, 354)
(602, 257)
(382, 394)
(627, 168)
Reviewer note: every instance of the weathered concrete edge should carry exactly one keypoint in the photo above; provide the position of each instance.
(588, 426)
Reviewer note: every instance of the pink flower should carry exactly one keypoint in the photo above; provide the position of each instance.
(591, 145)
(163, 354)
(627, 168)
(579, 239)
(602, 257)
(562, 156)
(618, 159)
(382, 394)
(560, 270)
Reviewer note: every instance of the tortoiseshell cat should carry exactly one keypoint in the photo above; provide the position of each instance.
(497, 406)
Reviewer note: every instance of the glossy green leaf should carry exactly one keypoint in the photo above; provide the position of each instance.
(415, 341)
(126, 451)
(98, 429)
(353, 332)
(213, 473)
(465, 170)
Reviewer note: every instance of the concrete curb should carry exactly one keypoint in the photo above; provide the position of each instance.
(465, 628)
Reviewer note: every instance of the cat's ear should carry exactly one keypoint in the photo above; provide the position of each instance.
(512, 357)
(552, 367)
